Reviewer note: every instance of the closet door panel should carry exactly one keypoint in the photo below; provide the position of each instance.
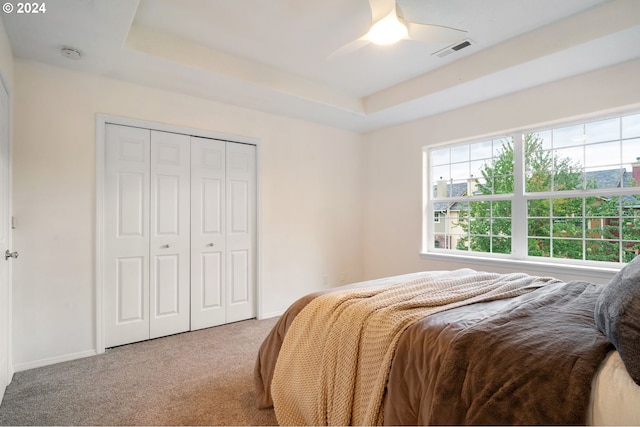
(211, 281)
(170, 233)
(210, 203)
(241, 208)
(168, 193)
(239, 277)
(130, 289)
(126, 228)
(208, 243)
(130, 197)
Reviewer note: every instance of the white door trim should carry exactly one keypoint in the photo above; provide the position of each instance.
(9, 294)
(101, 122)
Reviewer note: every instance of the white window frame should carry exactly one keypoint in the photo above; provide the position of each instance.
(519, 257)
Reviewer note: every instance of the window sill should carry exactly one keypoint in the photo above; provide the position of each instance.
(597, 274)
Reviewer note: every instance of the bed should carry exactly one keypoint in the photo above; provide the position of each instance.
(457, 347)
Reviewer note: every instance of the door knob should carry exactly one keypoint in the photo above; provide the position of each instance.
(8, 255)
(167, 246)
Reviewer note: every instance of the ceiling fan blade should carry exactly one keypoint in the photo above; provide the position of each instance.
(434, 33)
(380, 9)
(349, 48)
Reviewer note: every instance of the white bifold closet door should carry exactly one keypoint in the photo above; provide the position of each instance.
(126, 229)
(240, 227)
(179, 233)
(222, 232)
(147, 230)
(208, 242)
(169, 252)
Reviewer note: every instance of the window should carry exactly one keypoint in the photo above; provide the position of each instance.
(568, 192)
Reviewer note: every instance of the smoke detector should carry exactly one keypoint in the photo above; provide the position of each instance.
(453, 48)
(70, 53)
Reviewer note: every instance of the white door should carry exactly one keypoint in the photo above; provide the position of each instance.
(126, 230)
(208, 243)
(241, 230)
(5, 305)
(170, 234)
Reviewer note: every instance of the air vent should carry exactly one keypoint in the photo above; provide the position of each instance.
(453, 48)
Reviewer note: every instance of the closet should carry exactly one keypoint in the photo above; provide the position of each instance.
(179, 233)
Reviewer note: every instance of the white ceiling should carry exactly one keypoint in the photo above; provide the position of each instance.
(273, 55)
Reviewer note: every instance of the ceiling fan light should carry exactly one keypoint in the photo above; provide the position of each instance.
(388, 30)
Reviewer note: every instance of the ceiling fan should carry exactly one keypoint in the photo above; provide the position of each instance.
(388, 26)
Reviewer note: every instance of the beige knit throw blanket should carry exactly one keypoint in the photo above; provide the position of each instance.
(335, 359)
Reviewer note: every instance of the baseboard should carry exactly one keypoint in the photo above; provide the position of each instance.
(52, 360)
(271, 314)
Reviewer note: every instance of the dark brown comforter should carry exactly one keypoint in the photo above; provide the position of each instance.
(525, 360)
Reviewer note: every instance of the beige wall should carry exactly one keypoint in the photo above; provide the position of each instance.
(393, 205)
(311, 200)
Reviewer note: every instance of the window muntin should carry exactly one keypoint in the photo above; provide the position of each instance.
(583, 228)
(454, 167)
(485, 226)
(579, 191)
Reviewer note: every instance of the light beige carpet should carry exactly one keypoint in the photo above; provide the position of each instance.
(196, 378)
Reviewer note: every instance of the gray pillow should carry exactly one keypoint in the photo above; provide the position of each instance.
(617, 315)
